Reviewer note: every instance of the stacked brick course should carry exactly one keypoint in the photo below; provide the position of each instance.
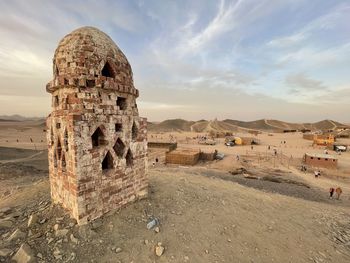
(97, 143)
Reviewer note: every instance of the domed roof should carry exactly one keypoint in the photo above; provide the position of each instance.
(88, 47)
(90, 54)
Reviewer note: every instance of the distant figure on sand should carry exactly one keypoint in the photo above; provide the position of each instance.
(303, 168)
(237, 157)
(331, 192)
(317, 174)
(338, 191)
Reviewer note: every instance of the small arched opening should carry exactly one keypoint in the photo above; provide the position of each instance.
(129, 159)
(107, 162)
(63, 162)
(52, 142)
(59, 148)
(108, 71)
(65, 139)
(97, 138)
(55, 159)
(119, 148)
(134, 131)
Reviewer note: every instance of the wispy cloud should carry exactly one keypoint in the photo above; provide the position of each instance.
(330, 21)
(299, 83)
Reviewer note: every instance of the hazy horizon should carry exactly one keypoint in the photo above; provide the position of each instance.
(245, 60)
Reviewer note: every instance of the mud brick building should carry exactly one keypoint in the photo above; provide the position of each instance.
(97, 143)
(321, 160)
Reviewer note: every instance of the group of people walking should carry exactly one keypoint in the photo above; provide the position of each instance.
(337, 191)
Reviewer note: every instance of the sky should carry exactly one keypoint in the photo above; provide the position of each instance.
(198, 59)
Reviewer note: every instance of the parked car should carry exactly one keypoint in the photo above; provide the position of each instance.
(219, 156)
(230, 144)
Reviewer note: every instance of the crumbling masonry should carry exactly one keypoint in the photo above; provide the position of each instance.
(97, 143)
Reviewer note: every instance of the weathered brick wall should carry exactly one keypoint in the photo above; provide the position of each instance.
(182, 157)
(167, 145)
(329, 163)
(97, 145)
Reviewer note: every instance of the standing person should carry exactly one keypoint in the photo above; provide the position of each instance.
(331, 192)
(251, 147)
(237, 157)
(269, 147)
(338, 191)
(316, 174)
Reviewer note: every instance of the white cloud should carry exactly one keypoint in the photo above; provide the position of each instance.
(336, 16)
(300, 82)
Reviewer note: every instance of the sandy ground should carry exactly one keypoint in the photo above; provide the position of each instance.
(203, 218)
(295, 147)
(206, 213)
(25, 135)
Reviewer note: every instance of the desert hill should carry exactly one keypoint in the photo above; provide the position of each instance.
(17, 117)
(229, 125)
(171, 125)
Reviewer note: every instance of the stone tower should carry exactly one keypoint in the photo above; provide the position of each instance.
(97, 143)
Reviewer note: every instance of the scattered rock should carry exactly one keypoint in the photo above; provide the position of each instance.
(206, 251)
(86, 233)
(118, 250)
(42, 221)
(186, 258)
(72, 256)
(56, 227)
(146, 242)
(157, 229)
(18, 234)
(50, 240)
(39, 255)
(24, 255)
(154, 222)
(74, 239)
(59, 219)
(57, 253)
(61, 232)
(15, 214)
(33, 219)
(4, 224)
(96, 224)
(5, 210)
(159, 249)
(4, 252)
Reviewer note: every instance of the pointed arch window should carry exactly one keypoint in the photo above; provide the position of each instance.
(108, 71)
(97, 138)
(107, 162)
(119, 148)
(129, 159)
(63, 162)
(134, 131)
(59, 148)
(65, 139)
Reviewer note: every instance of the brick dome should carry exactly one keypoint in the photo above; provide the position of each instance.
(89, 57)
